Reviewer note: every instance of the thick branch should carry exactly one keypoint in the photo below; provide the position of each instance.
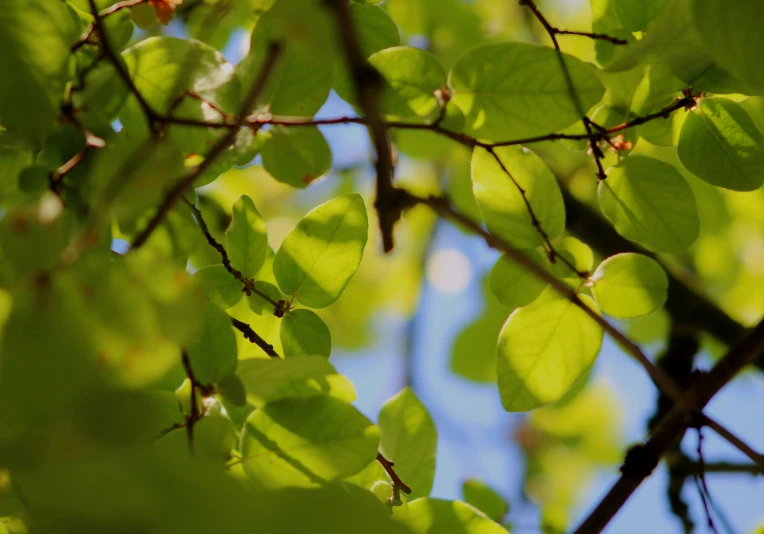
(671, 426)
(368, 86)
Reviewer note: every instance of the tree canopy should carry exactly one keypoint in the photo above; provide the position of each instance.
(187, 236)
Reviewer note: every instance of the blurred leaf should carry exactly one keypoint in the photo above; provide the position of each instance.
(247, 238)
(213, 353)
(222, 288)
(512, 284)
(433, 516)
(485, 499)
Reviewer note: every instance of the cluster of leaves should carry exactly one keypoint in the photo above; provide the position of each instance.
(174, 384)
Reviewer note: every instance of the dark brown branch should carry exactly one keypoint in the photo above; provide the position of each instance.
(591, 35)
(195, 414)
(639, 464)
(390, 469)
(216, 151)
(119, 6)
(368, 87)
(248, 285)
(254, 337)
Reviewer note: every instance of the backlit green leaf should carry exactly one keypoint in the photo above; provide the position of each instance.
(213, 353)
(543, 349)
(573, 253)
(409, 439)
(436, 516)
(512, 284)
(320, 256)
(295, 156)
(303, 333)
(271, 379)
(247, 238)
(629, 285)
(499, 197)
(306, 442)
(222, 288)
(649, 202)
(721, 145)
(514, 90)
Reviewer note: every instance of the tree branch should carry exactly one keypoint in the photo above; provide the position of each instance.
(216, 151)
(389, 468)
(686, 305)
(642, 460)
(368, 86)
(249, 286)
(254, 337)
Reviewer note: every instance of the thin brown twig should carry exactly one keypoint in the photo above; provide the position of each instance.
(390, 469)
(368, 87)
(111, 10)
(248, 285)
(254, 337)
(216, 151)
(595, 36)
(670, 427)
(552, 31)
(741, 445)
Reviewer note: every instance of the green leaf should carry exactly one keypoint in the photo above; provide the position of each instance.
(501, 202)
(303, 333)
(721, 145)
(412, 77)
(258, 304)
(515, 90)
(486, 499)
(437, 516)
(320, 256)
(731, 32)
(300, 82)
(222, 288)
(636, 14)
(35, 36)
(14, 157)
(512, 284)
(605, 20)
(213, 353)
(306, 442)
(375, 29)
(649, 202)
(164, 69)
(409, 439)
(271, 379)
(247, 238)
(295, 156)
(629, 285)
(543, 349)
